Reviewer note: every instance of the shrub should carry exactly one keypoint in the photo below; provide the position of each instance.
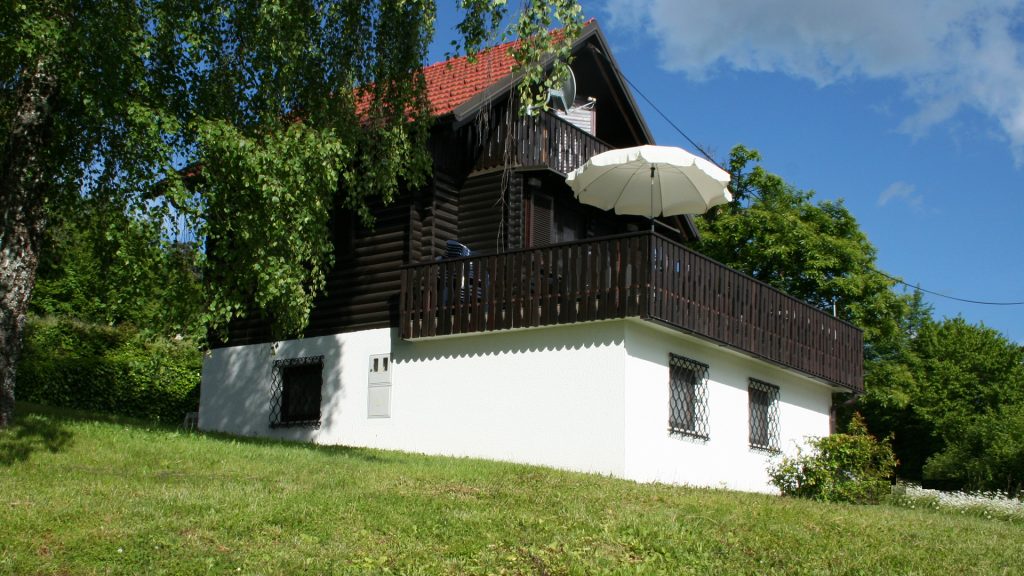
(851, 467)
(118, 370)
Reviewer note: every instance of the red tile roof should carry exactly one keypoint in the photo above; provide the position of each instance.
(454, 82)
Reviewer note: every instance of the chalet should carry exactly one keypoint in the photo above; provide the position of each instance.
(490, 314)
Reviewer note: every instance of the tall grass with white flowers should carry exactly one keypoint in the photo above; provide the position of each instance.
(991, 504)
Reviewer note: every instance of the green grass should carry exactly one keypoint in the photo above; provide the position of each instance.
(87, 494)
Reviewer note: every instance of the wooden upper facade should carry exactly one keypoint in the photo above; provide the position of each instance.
(539, 256)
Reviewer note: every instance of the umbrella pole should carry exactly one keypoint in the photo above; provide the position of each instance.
(652, 197)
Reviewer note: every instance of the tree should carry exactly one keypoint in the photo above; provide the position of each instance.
(951, 394)
(813, 251)
(985, 452)
(953, 397)
(272, 105)
(891, 374)
(88, 271)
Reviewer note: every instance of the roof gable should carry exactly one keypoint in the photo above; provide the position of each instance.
(456, 81)
(459, 88)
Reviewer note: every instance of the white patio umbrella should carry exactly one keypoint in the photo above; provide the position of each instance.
(650, 181)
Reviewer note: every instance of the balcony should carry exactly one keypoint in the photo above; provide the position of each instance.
(543, 140)
(640, 275)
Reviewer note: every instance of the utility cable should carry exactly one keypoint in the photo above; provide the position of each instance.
(671, 123)
(941, 295)
(656, 109)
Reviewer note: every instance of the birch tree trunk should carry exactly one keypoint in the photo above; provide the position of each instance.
(22, 193)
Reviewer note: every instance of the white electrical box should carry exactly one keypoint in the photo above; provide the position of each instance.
(378, 393)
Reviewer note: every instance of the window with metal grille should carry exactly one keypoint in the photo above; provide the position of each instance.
(764, 415)
(688, 397)
(295, 394)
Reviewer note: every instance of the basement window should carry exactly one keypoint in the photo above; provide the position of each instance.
(764, 415)
(688, 397)
(296, 392)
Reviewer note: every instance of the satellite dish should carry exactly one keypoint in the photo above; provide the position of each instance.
(564, 96)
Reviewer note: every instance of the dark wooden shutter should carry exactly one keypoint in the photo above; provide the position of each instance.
(542, 224)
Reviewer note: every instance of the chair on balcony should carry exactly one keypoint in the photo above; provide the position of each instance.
(464, 283)
(456, 249)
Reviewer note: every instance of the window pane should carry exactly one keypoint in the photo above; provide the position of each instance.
(687, 396)
(301, 398)
(296, 392)
(764, 425)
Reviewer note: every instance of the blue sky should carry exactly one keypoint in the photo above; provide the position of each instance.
(911, 112)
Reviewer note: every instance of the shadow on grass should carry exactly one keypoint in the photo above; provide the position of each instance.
(365, 454)
(75, 415)
(31, 433)
(38, 416)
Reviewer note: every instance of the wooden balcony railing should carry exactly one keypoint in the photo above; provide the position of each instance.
(540, 140)
(634, 275)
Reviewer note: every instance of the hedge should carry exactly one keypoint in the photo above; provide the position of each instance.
(118, 370)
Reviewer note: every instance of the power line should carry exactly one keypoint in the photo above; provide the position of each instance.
(671, 123)
(941, 295)
(680, 130)
(894, 279)
(656, 109)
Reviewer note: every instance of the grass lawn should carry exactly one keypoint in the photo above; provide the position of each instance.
(88, 494)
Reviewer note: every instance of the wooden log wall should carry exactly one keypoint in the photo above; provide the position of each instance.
(440, 218)
(515, 222)
(362, 289)
(482, 208)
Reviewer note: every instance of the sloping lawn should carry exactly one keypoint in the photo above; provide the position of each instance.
(88, 494)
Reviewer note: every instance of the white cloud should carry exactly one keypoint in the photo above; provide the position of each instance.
(907, 193)
(948, 53)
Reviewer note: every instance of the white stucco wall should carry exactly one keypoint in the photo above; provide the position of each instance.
(236, 385)
(590, 397)
(549, 396)
(725, 458)
(545, 396)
